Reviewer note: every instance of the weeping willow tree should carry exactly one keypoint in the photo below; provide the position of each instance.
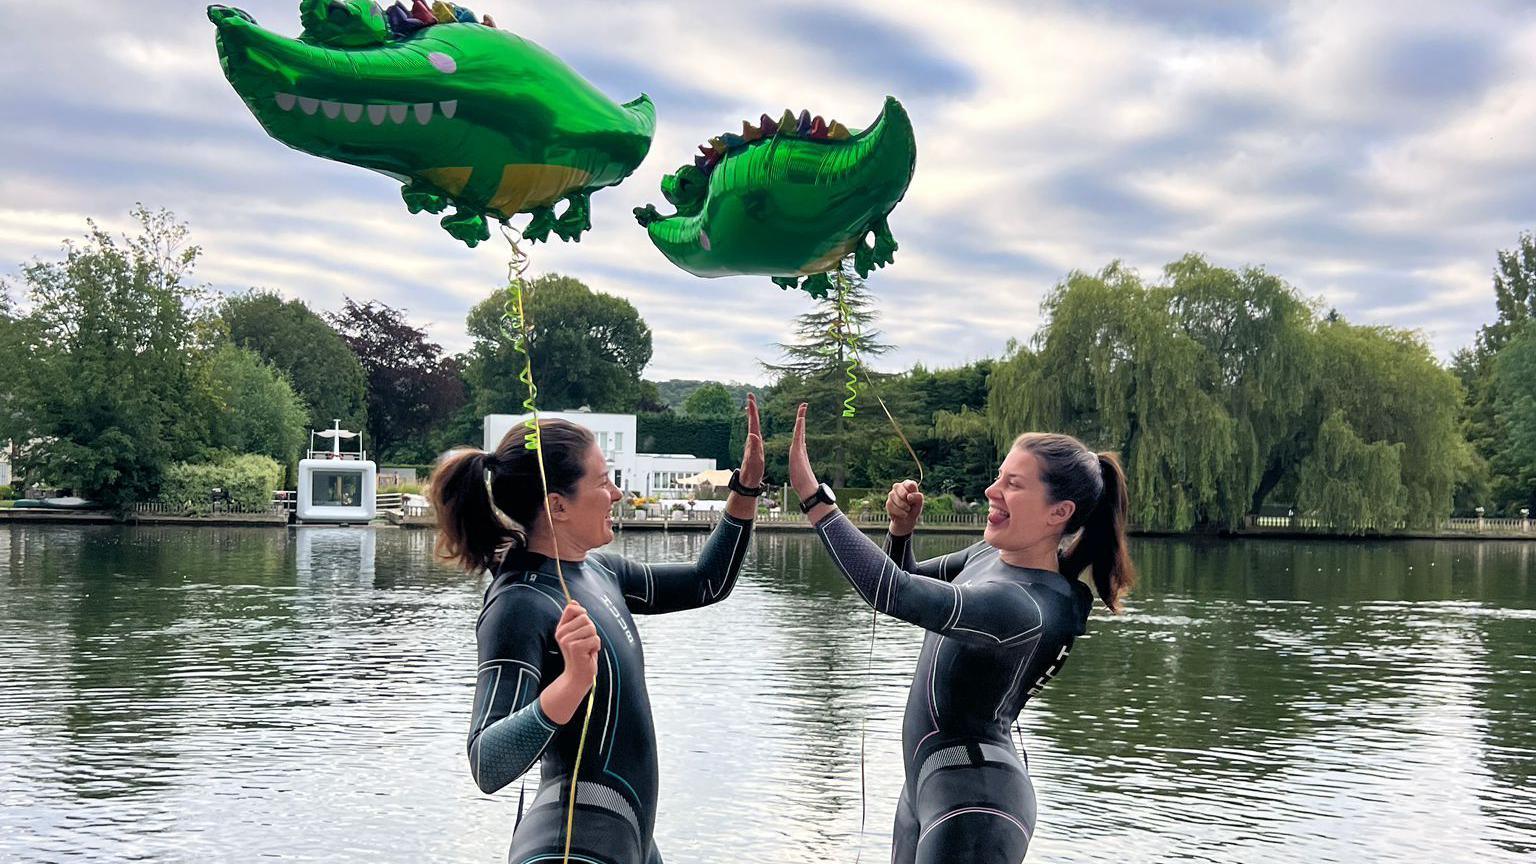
(1193, 381)
(1214, 385)
(1388, 386)
(1350, 484)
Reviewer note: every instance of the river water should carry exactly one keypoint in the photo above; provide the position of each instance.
(208, 694)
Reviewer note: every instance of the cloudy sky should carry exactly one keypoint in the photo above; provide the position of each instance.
(1375, 155)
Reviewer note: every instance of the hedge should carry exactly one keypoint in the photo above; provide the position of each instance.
(249, 479)
(669, 433)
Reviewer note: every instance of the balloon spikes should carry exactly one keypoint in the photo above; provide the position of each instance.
(514, 321)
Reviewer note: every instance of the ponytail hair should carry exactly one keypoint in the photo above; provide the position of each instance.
(488, 502)
(1095, 484)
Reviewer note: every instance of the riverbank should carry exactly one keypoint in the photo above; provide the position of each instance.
(30, 516)
(1503, 529)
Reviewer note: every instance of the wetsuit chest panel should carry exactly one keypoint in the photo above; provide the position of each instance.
(625, 748)
(621, 738)
(973, 690)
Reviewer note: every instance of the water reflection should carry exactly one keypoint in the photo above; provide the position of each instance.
(332, 554)
(222, 694)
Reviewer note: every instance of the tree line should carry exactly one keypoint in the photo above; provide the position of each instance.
(1226, 391)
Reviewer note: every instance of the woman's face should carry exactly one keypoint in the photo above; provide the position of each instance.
(1021, 514)
(586, 514)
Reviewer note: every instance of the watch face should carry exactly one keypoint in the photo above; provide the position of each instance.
(826, 492)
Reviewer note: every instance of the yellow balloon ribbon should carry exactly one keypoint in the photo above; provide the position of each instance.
(844, 322)
(514, 322)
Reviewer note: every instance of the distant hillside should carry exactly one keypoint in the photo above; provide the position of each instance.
(673, 392)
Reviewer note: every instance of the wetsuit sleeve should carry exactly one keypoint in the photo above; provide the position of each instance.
(991, 613)
(651, 589)
(509, 730)
(898, 547)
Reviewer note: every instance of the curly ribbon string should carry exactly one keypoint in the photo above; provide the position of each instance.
(844, 321)
(514, 322)
(856, 362)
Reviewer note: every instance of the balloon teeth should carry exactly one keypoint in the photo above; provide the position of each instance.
(308, 105)
(423, 112)
(376, 114)
(396, 113)
(352, 111)
(285, 101)
(332, 110)
(449, 107)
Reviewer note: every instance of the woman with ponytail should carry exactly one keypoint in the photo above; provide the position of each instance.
(1001, 617)
(541, 653)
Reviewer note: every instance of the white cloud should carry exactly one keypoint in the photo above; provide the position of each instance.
(1309, 141)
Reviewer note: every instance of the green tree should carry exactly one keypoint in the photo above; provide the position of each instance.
(255, 408)
(814, 370)
(1215, 385)
(1514, 396)
(1514, 294)
(588, 349)
(1389, 387)
(1496, 478)
(1112, 367)
(114, 386)
(712, 401)
(673, 392)
(1350, 484)
(412, 388)
(10, 358)
(298, 342)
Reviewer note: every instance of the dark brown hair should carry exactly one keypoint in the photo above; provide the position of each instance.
(471, 530)
(1095, 484)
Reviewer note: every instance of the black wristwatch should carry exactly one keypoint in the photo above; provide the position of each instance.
(749, 491)
(822, 495)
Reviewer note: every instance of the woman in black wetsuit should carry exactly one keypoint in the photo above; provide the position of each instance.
(539, 656)
(1001, 616)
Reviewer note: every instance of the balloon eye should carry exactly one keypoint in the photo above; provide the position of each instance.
(338, 12)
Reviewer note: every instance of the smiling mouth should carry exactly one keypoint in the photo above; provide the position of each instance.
(377, 113)
(997, 516)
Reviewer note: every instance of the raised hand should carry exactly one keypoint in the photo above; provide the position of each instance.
(752, 453)
(801, 476)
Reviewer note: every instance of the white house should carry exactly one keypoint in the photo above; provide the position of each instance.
(5, 464)
(650, 474)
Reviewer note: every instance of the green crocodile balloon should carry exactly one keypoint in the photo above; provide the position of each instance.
(789, 198)
(461, 113)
